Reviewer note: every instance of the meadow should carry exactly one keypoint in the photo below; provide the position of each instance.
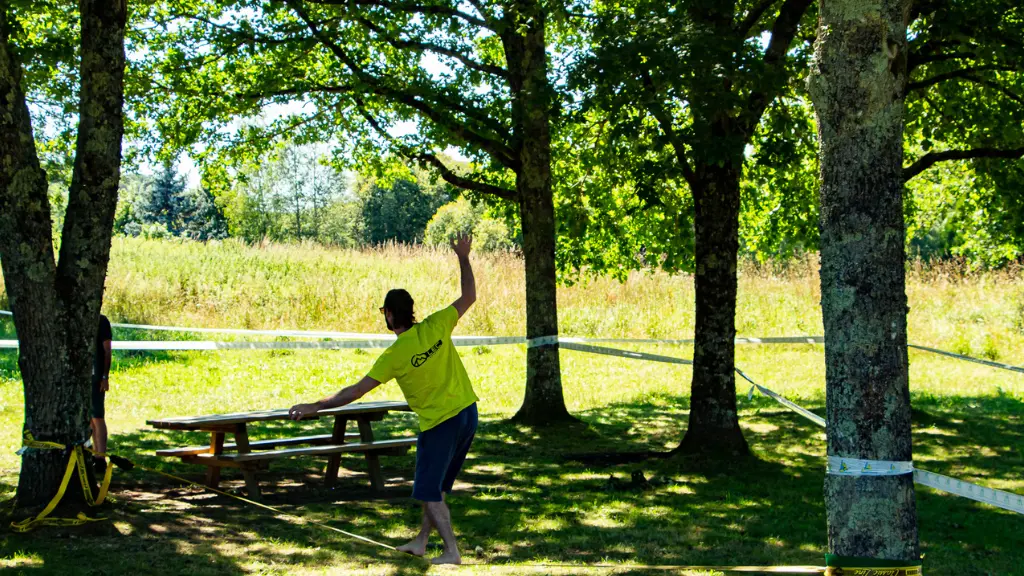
(527, 497)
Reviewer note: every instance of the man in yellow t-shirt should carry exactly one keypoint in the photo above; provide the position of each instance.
(435, 384)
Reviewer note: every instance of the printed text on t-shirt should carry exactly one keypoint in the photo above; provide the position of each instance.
(419, 359)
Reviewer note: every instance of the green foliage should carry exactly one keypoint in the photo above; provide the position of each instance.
(692, 94)
(464, 217)
(290, 193)
(202, 219)
(398, 211)
(166, 203)
(779, 214)
(966, 94)
(161, 207)
(955, 210)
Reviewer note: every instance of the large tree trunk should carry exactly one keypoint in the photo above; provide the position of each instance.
(56, 306)
(714, 426)
(856, 85)
(543, 402)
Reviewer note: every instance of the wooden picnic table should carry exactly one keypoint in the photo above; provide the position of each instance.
(251, 456)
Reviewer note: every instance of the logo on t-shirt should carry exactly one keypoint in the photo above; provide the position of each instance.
(419, 359)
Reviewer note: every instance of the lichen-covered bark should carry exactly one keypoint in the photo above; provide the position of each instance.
(714, 426)
(525, 52)
(856, 85)
(26, 252)
(56, 306)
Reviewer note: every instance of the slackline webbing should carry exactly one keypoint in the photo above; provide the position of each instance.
(999, 498)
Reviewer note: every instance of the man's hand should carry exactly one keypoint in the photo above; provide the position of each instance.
(105, 385)
(300, 411)
(462, 244)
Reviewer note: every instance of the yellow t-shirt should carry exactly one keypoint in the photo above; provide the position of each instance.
(428, 369)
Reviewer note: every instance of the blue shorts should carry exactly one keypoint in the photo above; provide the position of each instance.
(440, 453)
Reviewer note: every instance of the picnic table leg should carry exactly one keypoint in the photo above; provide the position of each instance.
(334, 460)
(372, 459)
(216, 447)
(242, 444)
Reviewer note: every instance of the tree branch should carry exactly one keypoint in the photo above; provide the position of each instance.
(654, 106)
(465, 183)
(235, 33)
(961, 73)
(410, 7)
(436, 48)
(298, 91)
(916, 59)
(265, 136)
(425, 157)
(498, 150)
(930, 159)
(773, 77)
(753, 17)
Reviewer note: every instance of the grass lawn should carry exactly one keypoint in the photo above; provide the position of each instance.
(522, 499)
(525, 497)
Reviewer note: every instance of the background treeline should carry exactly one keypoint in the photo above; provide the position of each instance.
(296, 194)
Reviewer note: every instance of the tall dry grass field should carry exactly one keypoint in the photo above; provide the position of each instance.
(229, 284)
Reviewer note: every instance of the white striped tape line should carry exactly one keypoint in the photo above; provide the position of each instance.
(1000, 498)
(839, 466)
(623, 353)
(181, 345)
(969, 358)
(536, 342)
(532, 343)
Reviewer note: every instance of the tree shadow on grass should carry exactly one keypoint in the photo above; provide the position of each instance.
(521, 501)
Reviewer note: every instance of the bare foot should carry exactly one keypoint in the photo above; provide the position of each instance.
(447, 558)
(414, 547)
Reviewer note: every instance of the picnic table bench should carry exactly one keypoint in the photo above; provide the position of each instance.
(251, 456)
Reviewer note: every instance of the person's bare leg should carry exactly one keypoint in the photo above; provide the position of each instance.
(441, 518)
(99, 435)
(418, 545)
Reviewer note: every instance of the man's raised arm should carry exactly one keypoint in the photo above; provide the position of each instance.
(461, 245)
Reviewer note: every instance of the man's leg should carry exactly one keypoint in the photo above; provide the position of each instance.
(99, 435)
(99, 443)
(99, 424)
(418, 545)
(432, 457)
(441, 518)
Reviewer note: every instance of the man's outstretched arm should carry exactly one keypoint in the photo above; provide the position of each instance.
(462, 246)
(347, 395)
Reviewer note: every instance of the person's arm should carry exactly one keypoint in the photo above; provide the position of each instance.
(105, 375)
(461, 246)
(347, 395)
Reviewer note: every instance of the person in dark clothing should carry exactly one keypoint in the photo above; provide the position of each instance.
(100, 386)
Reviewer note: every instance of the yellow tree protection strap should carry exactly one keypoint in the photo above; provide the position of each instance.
(76, 461)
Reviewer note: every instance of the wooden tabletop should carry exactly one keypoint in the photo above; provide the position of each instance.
(196, 422)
